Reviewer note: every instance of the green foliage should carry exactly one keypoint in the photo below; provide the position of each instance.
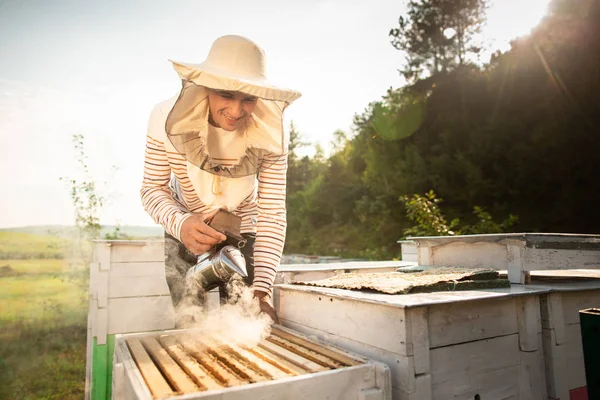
(517, 136)
(425, 213)
(42, 340)
(84, 194)
(437, 35)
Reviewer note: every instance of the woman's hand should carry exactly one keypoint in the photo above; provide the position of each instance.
(265, 306)
(197, 236)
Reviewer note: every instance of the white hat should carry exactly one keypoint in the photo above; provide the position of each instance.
(234, 63)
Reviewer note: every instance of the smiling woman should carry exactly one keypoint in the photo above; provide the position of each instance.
(220, 145)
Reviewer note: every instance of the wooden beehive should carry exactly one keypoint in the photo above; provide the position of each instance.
(183, 364)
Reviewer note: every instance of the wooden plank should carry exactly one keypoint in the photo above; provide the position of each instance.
(240, 367)
(465, 322)
(473, 255)
(137, 269)
(555, 365)
(292, 357)
(497, 384)
(425, 255)
(375, 324)
(335, 355)
(304, 352)
(418, 338)
(553, 316)
(217, 369)
(140, 314)
(154, 380)
(256, 363)
(546, 259)
(198, 374)
(138, 286)
(529, 322)
(102, 255)
(277, 361)
(458, 362)
(125, 252)
(102, 288)
(574, 357)
(401, 367)
(533, 374)
(134, 385)
(516, 273)
(573, 302)
(176, 376)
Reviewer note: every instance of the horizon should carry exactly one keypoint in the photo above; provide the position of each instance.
(93, 83)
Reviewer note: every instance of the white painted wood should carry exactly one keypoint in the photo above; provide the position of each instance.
(137, 269)
(555, 366)
(458, 362)
(362, 322)
(553, 316)
(138, 286)
(102, 288)
(574, 357)
(118, 382)
(101, 326)
(138, 252)
(475, 255)
(401, 367)
(529, 322)
(497, 384)
(533, 374)
(423, 388)
(138, 314)
(103, 255)
(418, 338)
(134, 387)
(516, 274)
(573, 302)
(466, 322)
(370, 378)
(543, 259)
(424, 255)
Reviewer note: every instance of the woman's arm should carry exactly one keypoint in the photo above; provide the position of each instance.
(271, 222)
(155, 193)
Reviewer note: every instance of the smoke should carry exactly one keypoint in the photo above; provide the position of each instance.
(238, 321)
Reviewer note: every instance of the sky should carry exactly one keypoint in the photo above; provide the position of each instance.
(96, 68)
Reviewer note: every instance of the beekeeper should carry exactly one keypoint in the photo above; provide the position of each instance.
(220, 144)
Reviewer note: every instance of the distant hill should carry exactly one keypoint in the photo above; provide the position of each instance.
(21, 245)
(65, 231)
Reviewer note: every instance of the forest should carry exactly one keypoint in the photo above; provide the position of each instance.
(506, 145)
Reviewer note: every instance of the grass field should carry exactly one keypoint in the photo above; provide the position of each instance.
(43, 317)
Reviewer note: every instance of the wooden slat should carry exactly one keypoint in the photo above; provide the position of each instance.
(239, 367)
(140, 314)
(292, 357)
(156, 383)
(339, 357)
(278, 361)
(306, 353)
(177, 377)
(216, 368)
(198, 374)
(257, 364)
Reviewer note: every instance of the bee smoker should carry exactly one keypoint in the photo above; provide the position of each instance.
(219, 265)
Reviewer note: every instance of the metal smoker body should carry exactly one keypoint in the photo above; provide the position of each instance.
(217, 267)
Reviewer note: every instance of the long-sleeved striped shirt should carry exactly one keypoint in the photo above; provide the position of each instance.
(262, 210)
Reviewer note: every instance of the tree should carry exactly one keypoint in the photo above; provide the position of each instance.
(437, 35)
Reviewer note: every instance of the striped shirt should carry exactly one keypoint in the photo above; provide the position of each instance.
(262, 211)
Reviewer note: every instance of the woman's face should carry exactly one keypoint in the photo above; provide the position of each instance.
(228, 110)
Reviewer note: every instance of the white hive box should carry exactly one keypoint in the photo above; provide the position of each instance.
(517, 253)
(439, 346)
(287, 366)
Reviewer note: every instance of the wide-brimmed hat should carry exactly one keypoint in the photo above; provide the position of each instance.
(234, 63)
